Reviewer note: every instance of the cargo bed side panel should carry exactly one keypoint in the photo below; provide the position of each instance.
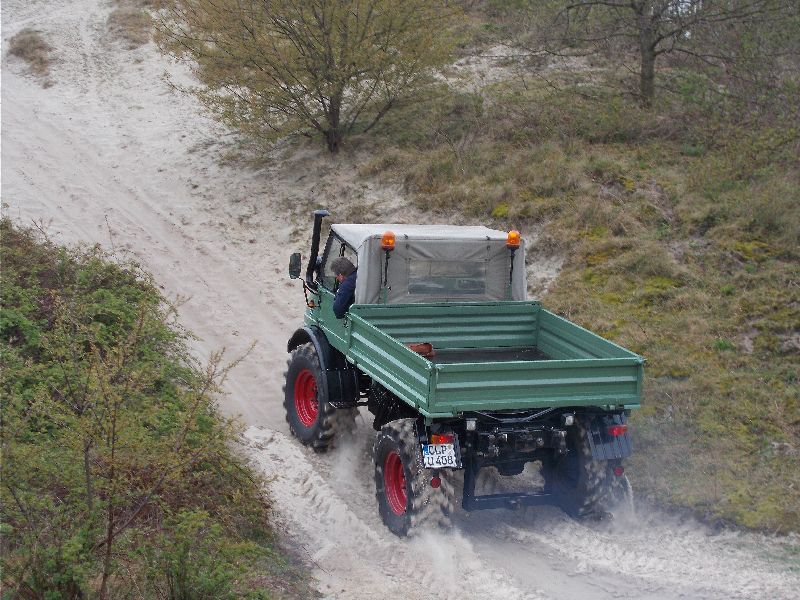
(480, 325)
(562, 339)
(401, 371)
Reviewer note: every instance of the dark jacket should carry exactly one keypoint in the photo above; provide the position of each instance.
(345, 295)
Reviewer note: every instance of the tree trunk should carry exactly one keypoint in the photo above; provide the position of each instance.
(87, 471)
(333, 138)
(647, 77)
(334, 134)
(107, 556)
(110, 512)
(647, 55)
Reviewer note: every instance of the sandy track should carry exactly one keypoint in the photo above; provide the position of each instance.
(110, 154)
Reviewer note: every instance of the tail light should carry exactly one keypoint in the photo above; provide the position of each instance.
(619, 470)
(442, 438)
(617, 430)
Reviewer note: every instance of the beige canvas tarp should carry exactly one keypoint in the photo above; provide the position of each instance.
(435, 263)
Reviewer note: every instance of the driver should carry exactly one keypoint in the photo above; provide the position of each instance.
(345, 273)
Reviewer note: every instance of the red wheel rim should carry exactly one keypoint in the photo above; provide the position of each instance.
(305, 397)
(394, 482)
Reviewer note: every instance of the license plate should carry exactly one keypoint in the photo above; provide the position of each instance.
(438, 456)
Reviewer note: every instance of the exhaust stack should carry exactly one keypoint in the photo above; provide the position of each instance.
(312, 259)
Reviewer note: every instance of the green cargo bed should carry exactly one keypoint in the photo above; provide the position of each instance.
(488, 356)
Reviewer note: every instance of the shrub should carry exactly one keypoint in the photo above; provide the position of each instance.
(132, 24)
(30, 46)
(110, 429)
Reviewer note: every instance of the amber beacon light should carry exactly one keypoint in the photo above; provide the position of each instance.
(387, 240)
(513, 240)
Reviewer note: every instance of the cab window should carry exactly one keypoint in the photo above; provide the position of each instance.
(335, 248)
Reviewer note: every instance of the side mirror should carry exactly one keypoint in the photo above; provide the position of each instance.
(294, 265)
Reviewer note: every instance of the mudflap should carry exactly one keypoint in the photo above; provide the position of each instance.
(343, 386)
(605, 445)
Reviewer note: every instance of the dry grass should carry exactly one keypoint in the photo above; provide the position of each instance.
(131, 23)
(30, 46)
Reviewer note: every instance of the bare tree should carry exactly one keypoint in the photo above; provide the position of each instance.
(279, 67)
(646, 28)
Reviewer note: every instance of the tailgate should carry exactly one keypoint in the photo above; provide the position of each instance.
(541, 384)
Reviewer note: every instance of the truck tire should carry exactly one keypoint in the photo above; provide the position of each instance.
(583, 486)
(406, 499)
(312, 419)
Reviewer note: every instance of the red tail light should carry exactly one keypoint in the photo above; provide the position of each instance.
(617, 430)
(442, 438)
(619, 470)
(435, 482)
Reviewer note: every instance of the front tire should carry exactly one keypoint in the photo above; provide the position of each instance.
(312, 419)
(405, 497)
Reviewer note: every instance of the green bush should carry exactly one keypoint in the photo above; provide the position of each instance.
(110, 429)
(194, 559)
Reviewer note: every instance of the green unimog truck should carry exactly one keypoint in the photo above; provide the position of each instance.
(460, 371)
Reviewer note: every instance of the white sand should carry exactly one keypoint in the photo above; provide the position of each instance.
(110, 154)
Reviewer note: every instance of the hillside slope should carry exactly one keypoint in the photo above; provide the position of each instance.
(110, 154)
(677, 233)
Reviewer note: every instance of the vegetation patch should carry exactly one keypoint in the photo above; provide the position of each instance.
(30, 46)
(119, 477)
(132, 23)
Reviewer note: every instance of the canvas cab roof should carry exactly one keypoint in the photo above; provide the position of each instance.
(356, 233)
(434, 263)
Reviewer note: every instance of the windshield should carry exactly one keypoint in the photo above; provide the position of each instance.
(446, 278)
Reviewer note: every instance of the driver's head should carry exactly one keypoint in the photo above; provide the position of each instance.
(342, 267)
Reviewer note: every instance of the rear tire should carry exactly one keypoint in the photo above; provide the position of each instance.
(312, 419)
(405, 497)
(583, 486)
